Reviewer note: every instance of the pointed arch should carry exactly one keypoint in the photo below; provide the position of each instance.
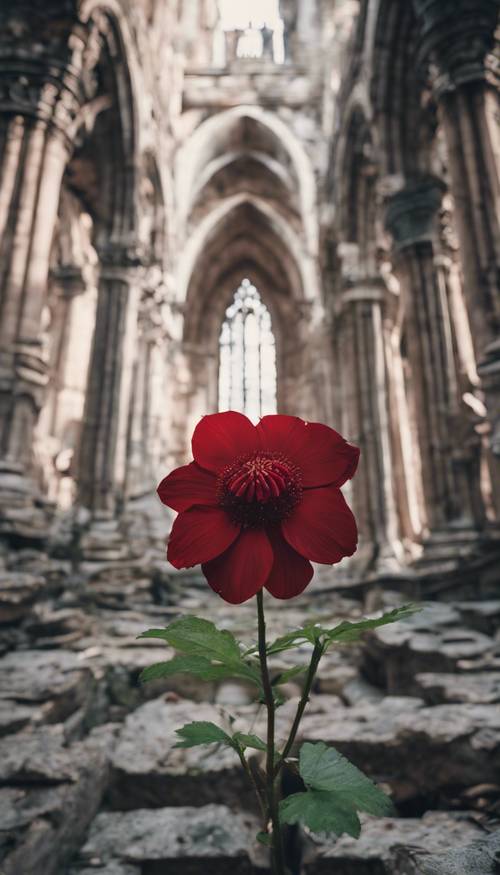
(213, 137)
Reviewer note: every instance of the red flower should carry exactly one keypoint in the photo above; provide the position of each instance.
(259, 502)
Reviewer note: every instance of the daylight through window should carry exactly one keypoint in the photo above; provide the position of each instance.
(247, 356)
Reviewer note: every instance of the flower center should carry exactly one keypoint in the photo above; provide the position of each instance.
(259, 490)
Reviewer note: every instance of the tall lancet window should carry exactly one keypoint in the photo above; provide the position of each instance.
(247, 356)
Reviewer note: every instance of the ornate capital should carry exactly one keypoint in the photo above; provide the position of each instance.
(457, 38)
(411, 211)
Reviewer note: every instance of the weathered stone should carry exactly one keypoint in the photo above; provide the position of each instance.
(55, 678)
(377, 848)
(175, 841)
(414, 749)
(14, 716)
(481, 688)
(479, 858)
(18, 592)
(155, 773)
(484, 616)
(427, 642)
(113, 868)
(42, 826)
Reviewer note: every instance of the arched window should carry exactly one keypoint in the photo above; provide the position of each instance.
(247, 356)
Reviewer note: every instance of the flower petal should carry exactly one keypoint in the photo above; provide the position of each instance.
(290, 573)
(220, 438)
(319, 451)
(243, 569)
(187, 486)
(322, 526)
(198, 535)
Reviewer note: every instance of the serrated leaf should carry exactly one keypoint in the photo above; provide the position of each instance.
(286, 642)
(248, 740)
(264, 838)
(324, 768)
(316, 810)
(336, 790)
(202, 732)
(195, 665)
(198, 637)
(214, 653)
(347, 631)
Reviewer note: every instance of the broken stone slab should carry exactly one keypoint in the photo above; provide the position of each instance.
(481, 688)
(49, 628)
(393, 655)
(376, 850)
(120, 665)
(213, 840)
(147, 771)
(18, 593)
(482, 857)
(483, 616)
(56, 678)
(14, 716)
(414, 749)
(54, 794)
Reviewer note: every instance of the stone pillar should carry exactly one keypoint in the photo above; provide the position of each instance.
(141, 476)
(366, 406)
(449, 487)
(457, 40)
(37, 110)
(102, 453)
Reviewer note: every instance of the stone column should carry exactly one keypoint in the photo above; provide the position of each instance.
(366, 406)
(141, 476)
(102, 453)
(37, 111)
(449, 497)
(457, 40)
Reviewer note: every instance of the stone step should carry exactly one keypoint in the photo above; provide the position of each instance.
(431, 641)
(147, 771)
(378, 848)
(479, 858)
(210, 840)
(49, 794)
(478, 688)
(418, 751)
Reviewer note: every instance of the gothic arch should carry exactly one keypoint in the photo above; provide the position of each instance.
(104, 167)
(401, 100)
(213, 138)
(303, 279)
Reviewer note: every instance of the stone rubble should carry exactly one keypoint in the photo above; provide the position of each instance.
(83, 745)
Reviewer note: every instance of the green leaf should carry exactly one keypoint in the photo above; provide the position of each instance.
(202, 732)
(336, 790)
(347, 631)
(265, 839)
(286, 642)
(202, 645)
(195, 665)
(246, 740)
(316, 810)
(198, 637)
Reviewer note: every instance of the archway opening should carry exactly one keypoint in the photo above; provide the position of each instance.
(247, 355)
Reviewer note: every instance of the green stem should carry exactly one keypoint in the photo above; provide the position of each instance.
(272, 800)
(251, 777)
(313, 665)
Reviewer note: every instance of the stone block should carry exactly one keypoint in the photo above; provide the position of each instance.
(415, 750)
(376, 851)
(148, 771)
(212, 840)
(54, 794)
